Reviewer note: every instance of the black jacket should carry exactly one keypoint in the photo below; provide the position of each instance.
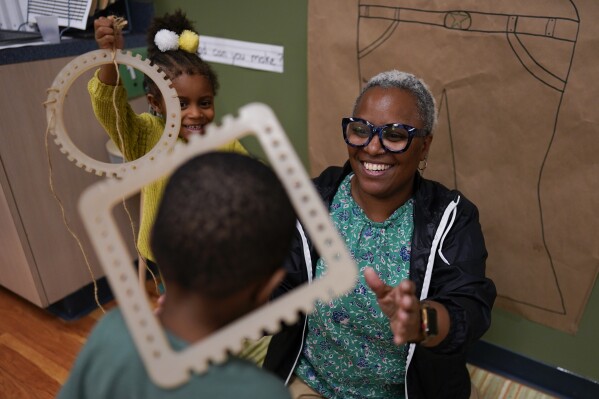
(461, 286)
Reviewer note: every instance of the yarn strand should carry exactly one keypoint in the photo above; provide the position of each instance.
(118, 24)
(63, 213)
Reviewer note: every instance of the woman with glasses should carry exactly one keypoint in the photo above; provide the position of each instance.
(422, 296)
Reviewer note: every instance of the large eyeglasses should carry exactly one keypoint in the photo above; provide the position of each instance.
(394, 137)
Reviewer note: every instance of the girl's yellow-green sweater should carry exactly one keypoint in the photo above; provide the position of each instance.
(140, 133)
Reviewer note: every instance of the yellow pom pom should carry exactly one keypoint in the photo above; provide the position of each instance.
(189, 41)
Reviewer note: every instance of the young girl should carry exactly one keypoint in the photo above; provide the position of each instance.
(193, 79)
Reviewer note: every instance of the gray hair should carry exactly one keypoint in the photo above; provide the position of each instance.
(427, 111)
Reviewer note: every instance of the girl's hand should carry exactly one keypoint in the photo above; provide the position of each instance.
(105, 34)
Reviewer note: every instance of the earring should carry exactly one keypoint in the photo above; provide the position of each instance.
(422, 167)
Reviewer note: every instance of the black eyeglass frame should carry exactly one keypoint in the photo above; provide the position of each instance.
(412, 132)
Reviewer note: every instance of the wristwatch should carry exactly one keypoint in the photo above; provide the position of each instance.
(428, 322)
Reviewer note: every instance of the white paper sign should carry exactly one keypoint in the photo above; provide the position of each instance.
(265, 57)
(71, 13)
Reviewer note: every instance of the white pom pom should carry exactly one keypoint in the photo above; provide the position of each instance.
(166, 40)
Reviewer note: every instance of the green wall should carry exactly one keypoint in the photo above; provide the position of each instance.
(578, 353)
(284, 22)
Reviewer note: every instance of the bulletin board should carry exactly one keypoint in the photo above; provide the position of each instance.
(518, 128)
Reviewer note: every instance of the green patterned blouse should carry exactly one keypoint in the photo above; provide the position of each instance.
(349, 350)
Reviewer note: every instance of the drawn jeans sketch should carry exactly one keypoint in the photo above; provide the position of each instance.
(486, 116)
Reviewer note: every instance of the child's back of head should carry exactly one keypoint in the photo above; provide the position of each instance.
(224, 224)
(225, 221)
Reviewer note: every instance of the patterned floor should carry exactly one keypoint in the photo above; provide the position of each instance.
(493, 386)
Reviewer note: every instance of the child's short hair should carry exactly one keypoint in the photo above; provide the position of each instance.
(225, 220)
(175, 62)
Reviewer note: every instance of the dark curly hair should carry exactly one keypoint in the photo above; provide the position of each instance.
(175, 62)
(224, 221)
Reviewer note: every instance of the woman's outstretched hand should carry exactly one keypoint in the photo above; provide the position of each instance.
(402, 307)
(399, 304)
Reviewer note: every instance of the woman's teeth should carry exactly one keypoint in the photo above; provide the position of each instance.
(376, 166)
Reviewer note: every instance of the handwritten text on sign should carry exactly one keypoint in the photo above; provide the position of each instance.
(265, 57)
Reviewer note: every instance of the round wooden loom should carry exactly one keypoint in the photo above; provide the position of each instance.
(55, 117)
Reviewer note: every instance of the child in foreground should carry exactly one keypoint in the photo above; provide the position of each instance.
(221, 213)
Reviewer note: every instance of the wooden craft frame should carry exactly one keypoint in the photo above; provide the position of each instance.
(166, 367)
(63, 81)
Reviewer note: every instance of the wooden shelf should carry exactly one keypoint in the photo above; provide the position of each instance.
(39, 259)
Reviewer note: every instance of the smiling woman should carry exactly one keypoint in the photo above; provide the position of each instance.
(384, 180)
(422, 297)
(172, 47)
